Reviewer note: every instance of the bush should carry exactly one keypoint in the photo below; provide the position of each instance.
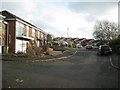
(114, 44)
(20, 52)
(30, 51)
(58, 48)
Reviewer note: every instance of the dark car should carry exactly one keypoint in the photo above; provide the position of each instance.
(104, 49)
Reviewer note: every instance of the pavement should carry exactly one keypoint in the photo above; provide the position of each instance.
(115, 61)
(53, 55)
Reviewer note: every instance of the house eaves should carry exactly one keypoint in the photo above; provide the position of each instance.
(10, 16)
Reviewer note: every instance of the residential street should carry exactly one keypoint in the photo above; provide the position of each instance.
(84, 69)
(0, 71)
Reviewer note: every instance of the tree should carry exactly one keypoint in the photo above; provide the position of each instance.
(49, 39)
(105, 30)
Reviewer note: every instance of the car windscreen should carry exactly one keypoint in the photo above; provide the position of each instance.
(105, 47)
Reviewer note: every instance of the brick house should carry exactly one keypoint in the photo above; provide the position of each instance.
(22, 34)
(3, 35)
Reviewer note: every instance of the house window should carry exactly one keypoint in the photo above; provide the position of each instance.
(41, 35)
(38, 34)
(0, 24)
(0, 28)
(27, 27)
(38, 43)
(20, 29)
(33, 32)
(24, 30)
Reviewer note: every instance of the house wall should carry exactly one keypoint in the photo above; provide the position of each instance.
(42, 38)
(31, 37)
(12, 36)
(0, 44)
(30, 31)
(3, 35)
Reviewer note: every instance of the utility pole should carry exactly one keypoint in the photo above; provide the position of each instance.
(67, 32)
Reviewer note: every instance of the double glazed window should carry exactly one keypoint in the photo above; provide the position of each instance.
(21, 29)
(42, 36)
(33, 32)
(0, 28)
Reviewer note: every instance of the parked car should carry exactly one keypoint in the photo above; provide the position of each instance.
(104, 49)
(95, 47)
(89, 47)
(78, 46)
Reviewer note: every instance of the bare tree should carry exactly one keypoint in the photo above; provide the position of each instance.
(105, 30)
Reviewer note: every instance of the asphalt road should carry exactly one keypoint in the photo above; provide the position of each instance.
(85, 69)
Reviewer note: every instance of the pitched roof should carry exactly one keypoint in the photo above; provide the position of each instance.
(9, 15)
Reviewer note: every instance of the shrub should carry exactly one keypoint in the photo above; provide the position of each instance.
(35, 51)
(38, 50)
(20, 52)
(114, 44)
(58, 48)
(30, 51)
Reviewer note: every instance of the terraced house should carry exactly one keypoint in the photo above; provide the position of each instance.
(3, 34)
(22, 34)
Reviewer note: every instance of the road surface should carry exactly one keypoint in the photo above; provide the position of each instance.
(85, 69)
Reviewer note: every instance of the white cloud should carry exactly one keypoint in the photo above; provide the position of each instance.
(111, 15)
(56, 19)
(59, 20)
(64, 0)
(29, 5)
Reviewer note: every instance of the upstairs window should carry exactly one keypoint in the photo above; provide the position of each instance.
(33, 32)
(20, 29)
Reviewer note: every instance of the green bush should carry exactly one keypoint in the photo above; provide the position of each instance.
(58, 48)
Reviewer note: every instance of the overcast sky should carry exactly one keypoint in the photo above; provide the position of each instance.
(56, 16)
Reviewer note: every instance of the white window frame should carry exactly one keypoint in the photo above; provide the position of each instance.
(33, 32)
(27, 28)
